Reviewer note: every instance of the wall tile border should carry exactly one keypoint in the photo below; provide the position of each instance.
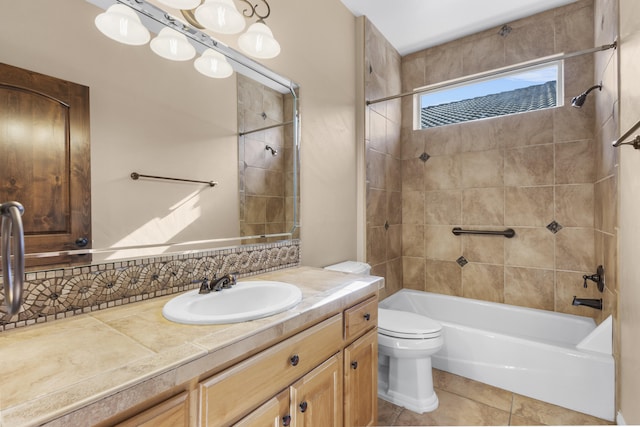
(64, 292)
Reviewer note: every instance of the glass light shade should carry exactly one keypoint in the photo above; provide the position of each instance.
(259, 42)
(220, 16)
(181, 4)
(122, 24)
(213, 64)
(172, 45)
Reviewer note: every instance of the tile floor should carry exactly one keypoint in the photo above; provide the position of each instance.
(470, 403)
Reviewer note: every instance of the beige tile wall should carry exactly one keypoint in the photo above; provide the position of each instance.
(266, 181)
(523, 171)
(383, 164)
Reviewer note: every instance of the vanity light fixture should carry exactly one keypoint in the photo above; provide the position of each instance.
(259, 42)
(181, 4)
(213, 64)
(172, 45)
(123, 25)
(222, 16)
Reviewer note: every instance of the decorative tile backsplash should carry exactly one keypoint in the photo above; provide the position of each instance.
(64, 292)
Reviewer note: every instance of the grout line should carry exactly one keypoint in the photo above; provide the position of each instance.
(511, 408)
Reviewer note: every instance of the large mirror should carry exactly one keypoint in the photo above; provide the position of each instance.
(160, 118)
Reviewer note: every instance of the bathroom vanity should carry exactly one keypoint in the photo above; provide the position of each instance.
(315, 364)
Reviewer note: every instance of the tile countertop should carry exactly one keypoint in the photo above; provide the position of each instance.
(104, 359)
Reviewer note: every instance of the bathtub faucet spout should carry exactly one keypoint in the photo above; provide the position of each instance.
(589, 302)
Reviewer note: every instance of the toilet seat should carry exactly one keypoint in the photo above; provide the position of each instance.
(407, 325)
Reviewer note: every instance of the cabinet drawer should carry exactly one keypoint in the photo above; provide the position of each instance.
(227, 396)
(173, 412)
(360, 318)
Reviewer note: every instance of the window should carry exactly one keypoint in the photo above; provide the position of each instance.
(500, 94)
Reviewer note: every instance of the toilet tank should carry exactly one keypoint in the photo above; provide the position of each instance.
(353, 267)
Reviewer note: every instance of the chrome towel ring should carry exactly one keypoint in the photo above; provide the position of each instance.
(11, 213)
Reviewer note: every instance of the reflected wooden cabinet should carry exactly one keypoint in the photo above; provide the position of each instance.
(45, 163)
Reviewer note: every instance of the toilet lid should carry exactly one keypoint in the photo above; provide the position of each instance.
(405, 324)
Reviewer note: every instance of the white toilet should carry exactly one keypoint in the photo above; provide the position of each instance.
(406, 342)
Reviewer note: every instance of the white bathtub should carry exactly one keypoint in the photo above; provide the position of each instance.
(557, 358)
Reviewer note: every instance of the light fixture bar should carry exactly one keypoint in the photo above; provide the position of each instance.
(155, 19)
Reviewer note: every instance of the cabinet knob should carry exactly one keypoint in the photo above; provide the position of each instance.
(303, 406)
(354, 364)
(294, 360)
(81, 242)
(367, 317)
(286, 420)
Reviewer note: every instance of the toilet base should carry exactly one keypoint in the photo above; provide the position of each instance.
(407, 383)
(419, 406)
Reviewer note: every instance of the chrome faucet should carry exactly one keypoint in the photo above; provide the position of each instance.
(204, 287)
(224, 282)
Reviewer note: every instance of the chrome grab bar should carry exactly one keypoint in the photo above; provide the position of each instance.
(13, 284)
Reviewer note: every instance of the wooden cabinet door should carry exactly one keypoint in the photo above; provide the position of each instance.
(233, 393)
(45, 160)
(361, 381)
(274, 413)
(316, 399)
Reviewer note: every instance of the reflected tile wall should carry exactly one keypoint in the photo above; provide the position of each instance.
(266, 180)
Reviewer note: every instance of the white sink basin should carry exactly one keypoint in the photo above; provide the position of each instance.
(245, 301)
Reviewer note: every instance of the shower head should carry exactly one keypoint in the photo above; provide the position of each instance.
(577, 101)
